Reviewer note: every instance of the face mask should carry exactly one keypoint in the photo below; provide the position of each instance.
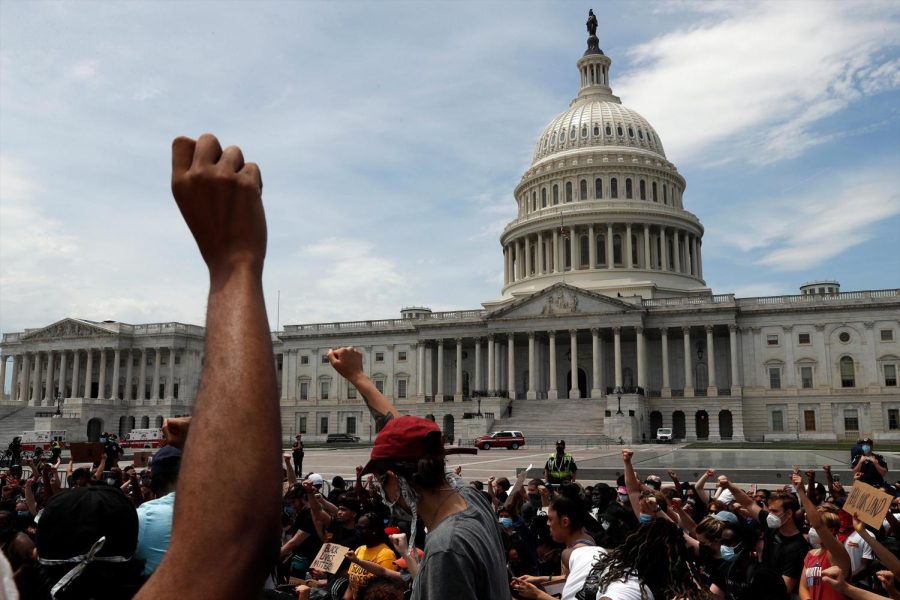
(110, 482)
(623, 498)
(727, 553)
(645, 518)
(102, 440)
(814, 540)
(23, 513)
(506, 522)
(773, 522)
(289, 510)
(534, 499)
(561, 450)
(866, 448)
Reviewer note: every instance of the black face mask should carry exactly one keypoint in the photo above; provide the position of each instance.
(560, 449)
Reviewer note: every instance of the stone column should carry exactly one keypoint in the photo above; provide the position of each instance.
(511, 367)
(574, 390)
(505, 267)
(142, 384)
(596, 383)
(573, 249)
(641, 359)
(556, 268)
(689, 263)
(713, 389)
(76, 371)
(617, 351)
(157, 362)
(117, 358)
(675, 251)
(498, 362)
(88, 372)
(628, 249)
(592, 248)
(36, 380)
(532, 393)
(101, 384)
(735, 366)
(663, 250)
(648, 263)
(458, 389)
(688, 374)
(3, 360)
(666, 387)
(126, 392)
(528, 265)
(552, 394)
(48, 385)
(790, 377)
(440, 371)
(61, 386)
(491, 371)
(23, 389)
(284, 376)
(420, 368)
(541, 266)
(14, 382)
(610, 257)
(478, 382)
(170, 379)
(699, 260)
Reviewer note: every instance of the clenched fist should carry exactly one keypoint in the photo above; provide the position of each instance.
(220, 198)
(347, 361)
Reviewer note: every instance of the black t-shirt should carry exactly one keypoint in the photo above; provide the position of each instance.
(783, 554)
(112, 451)
(311, 545)
(870, 474)
(749, 580)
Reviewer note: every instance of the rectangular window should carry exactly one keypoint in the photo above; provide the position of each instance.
(379, 357)
(809, 420)
(177, 359)
(774, 378)
(893, 418)
(887, 335)
(351, 392)
(301, 425)
(323, 424)
(777, 420)
(351, 425)
(304, 360)
(304, 390)
(324, 387)
(890, 375)
(806, 377)
(401, 355)
(401, 388)
(771, 340)
(379, 385)
(851, 420)
(324, 359)
(803, 338)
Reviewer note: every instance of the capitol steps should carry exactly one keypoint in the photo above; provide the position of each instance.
(544, 421)
(14, 419)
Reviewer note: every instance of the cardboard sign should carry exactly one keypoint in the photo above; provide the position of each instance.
(86, 452)
(141, 459)
(329, 558)
(869, 504)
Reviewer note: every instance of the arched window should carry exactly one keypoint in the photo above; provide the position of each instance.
(641, 133)
(653, 191)
(584, 131)
(848, 374)
(634, 250)
(596, 130)
(629, 192)
(555, 194)
(619, 131)
(608, 129)
(562, 136)
(630, 132)
(572, 133)
(553, 138)
(544, 198)
(145, 422)
(582, 189)
(585, 250)
(598, 188)
(617, 249)
(601, 249)
(665, 194)
(642, 188)
(568, 191)
(613, 188)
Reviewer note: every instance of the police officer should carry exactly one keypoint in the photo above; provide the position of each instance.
(55, 451)
(560, 466)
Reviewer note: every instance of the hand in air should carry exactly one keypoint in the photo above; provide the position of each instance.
(348, 362)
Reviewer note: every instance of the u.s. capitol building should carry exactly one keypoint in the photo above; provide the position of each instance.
(604, 326)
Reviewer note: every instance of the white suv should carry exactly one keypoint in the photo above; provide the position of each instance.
(664, 434)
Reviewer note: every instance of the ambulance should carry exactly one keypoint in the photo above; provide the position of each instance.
(42, 440)
(143, 438)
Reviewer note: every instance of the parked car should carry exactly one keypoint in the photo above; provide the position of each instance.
(664, 434)
(501, 439)
(341, 438)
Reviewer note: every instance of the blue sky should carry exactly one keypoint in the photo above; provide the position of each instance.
(391, 135)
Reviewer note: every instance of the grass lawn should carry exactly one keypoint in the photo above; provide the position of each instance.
(885, 447)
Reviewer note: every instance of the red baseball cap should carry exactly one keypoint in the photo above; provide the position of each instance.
(403, 438)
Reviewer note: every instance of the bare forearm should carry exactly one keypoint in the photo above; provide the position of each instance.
(382, 410)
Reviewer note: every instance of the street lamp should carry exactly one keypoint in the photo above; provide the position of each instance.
(619, 395)
(59, 400)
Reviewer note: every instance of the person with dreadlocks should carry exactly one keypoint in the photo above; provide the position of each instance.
(464, 556)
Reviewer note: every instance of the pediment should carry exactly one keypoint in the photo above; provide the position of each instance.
(562, 300)
(67, 328)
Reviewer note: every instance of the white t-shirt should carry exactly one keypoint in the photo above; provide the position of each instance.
(580, 562)
(858, 549)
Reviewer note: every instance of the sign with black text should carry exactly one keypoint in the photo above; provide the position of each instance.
(869, 504)
(329, 558)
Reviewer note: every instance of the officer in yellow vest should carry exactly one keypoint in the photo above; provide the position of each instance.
(560, 467)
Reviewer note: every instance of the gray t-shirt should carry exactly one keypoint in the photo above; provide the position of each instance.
(464, 556)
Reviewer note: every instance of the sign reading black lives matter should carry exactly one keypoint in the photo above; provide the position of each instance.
(329, 558)
(869, 504)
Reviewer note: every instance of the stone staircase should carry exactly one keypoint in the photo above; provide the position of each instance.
(549, 420)
(14, 419)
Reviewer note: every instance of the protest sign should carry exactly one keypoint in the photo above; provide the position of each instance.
(869, 504)
(141, 459)
(83, 452)
(329, 558)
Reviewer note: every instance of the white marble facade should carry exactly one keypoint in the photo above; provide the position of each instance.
(603, 278)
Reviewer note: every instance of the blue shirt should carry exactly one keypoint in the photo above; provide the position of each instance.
(154, 530)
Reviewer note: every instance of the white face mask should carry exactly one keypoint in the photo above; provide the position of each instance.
(773, 522)
(814, 540)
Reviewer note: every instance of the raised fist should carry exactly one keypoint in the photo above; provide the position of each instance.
(627, 454)
(347, 361)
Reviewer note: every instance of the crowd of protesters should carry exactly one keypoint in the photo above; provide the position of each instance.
(412, 526)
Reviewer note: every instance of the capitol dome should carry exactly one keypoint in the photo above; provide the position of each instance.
(595, 123)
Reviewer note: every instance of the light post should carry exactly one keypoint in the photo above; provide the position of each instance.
(59, 400)
(619, 396)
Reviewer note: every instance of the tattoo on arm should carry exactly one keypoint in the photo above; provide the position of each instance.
(381, 419)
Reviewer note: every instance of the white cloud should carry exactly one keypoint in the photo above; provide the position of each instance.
(755, 84)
